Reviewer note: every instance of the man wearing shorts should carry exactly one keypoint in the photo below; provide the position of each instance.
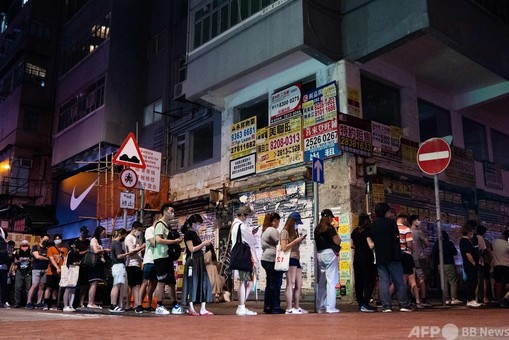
(406, 243)
(149, 271)
(164, 266)
(40, 266)
(134, 260)
(501, 267)
(56, 255)
(420, 241)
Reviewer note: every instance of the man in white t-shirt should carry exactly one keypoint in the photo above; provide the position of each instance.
(149, 271)
(133, 264)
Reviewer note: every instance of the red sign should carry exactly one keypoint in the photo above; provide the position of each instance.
(433, 156)
(129, 154)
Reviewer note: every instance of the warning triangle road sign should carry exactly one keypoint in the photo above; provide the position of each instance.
(129, 154)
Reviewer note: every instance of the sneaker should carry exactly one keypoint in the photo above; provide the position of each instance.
(296, 311)
(241, 310)
(29, 306)
(447, 302)
(289, 311)
(53, 308)
(39, 306)
(321, 310)
(250, 312)
(7, 305)
(301, 311)
(68, 309)
(149, 309)
(419, 306)
(456, 302)
(426, 304)
(332, 311)
(138, 310)
(94, 306)
(45, 307)
(161, 310)
(367, 309)
(473, 304)
(405, 309)
(387, 310)
(177, 310)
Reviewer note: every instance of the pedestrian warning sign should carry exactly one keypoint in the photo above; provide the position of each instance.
(129, 154)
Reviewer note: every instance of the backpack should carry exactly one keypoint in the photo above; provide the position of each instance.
(174, 250)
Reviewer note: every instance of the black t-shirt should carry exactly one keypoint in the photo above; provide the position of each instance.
(82, 245)
(466, 246)
(73, 256)
(43, 251)
(360, 242)
(191, 235)
(324, 240)
(385, 235)
(24, 256)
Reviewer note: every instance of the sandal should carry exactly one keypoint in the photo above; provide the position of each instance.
(193, 313)
(206, 313)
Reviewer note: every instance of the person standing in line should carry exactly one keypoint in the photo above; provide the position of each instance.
(274, 278)
(164, 267)
(4, 271)
(149, 271)
(118, 271)
(450, 273)
(470, 256)
(73, 260)
(479, 247)
(363, 263)
(56, 255)
(328, 246)
(407, 260)
(83, 245)
(291, 240)
(487, 257)
(23, 278)
(501, 267)
(196, 287)
(385, 235)
(174, 234)
(96, 273)
(134, 261)
(420, 241)
(39, 270)
(246, 284)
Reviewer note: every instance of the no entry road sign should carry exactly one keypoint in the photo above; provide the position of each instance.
(434, 156)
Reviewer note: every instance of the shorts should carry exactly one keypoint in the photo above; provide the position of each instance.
(421, 268)
(165, 271)
(119, 274)
(53, 281)
(295, 263)
(407, 261)
(501, 274)
(149, 272)
(134, 276)
(39, 276)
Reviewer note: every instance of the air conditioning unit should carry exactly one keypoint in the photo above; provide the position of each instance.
(177, 92)
(25, 163)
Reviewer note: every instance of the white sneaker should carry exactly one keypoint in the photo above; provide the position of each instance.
(161, 310)
(177, 310)
(296, 311)
(332, 311)
(250, 312)
(473, 303)
(68, 309)
(241, 310)
(301, 311)
(456, 302)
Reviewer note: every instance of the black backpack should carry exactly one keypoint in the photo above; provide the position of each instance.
(174, 250)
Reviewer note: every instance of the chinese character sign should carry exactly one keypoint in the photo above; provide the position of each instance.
(285, 104)
(150, 177)
(243, 138)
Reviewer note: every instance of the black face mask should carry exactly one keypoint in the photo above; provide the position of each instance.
(122, 239)
(45, 243)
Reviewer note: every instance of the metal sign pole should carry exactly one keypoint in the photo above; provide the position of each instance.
(439, 238)
(315, 223)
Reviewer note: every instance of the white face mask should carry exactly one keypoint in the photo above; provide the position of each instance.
(137, 233)
(196, 227)
(58, 242)
(170, 215)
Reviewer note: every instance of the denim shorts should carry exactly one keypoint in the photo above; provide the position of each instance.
(295, 263)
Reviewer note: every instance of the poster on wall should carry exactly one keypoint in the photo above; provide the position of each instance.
(243, 138)
(149, 178)
(345, 275)
(285, 104)
(492, 175)
(319, 112)
(354, 135)
(386, 141)
(244, 166)
(279, 145)
(461, 169)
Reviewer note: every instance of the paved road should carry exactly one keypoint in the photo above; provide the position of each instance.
(459, 322)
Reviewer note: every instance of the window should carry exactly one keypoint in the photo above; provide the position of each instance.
(38, 31)
(34, 75)
(195, 147)
(81, 104)
(217, 16)
(500, 145)
(153, 112)
(202, 143)
(182, 71)
(433, 121)
(260, 110)
(157, 43)
(30, 121)
(380, 102)
(474, 136)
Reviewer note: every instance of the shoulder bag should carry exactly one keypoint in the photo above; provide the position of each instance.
(282, 259)
(89, 259)
(69, 274)
(240, 256)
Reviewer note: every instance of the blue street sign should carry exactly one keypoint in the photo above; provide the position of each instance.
(318, 171)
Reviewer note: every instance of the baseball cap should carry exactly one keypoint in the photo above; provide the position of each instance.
(327, 213)
(296, 217)
(24, 242)
(244, 210)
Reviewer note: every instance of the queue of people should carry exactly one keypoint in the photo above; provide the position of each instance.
(388, 258)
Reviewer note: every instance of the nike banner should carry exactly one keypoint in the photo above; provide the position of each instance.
(77, 197)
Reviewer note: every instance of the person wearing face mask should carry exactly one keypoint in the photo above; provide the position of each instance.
(82, 245)
(118, 271)
(164, 266)
(56, 256)
(134, 261)
(196, 286)
(23, 278)
(39, 269)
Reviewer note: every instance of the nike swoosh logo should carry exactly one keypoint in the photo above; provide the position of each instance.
(76, 201)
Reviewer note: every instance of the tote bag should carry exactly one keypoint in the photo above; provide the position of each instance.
(282, 259)
(89, 259)
(240, 256)
(69, 275)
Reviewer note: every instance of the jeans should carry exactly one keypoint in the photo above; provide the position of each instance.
(272, 297)
(23, 281)
(328, 277)
(387, 272)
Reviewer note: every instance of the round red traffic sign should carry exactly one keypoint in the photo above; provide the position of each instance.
(434, 156)
(129, 178)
